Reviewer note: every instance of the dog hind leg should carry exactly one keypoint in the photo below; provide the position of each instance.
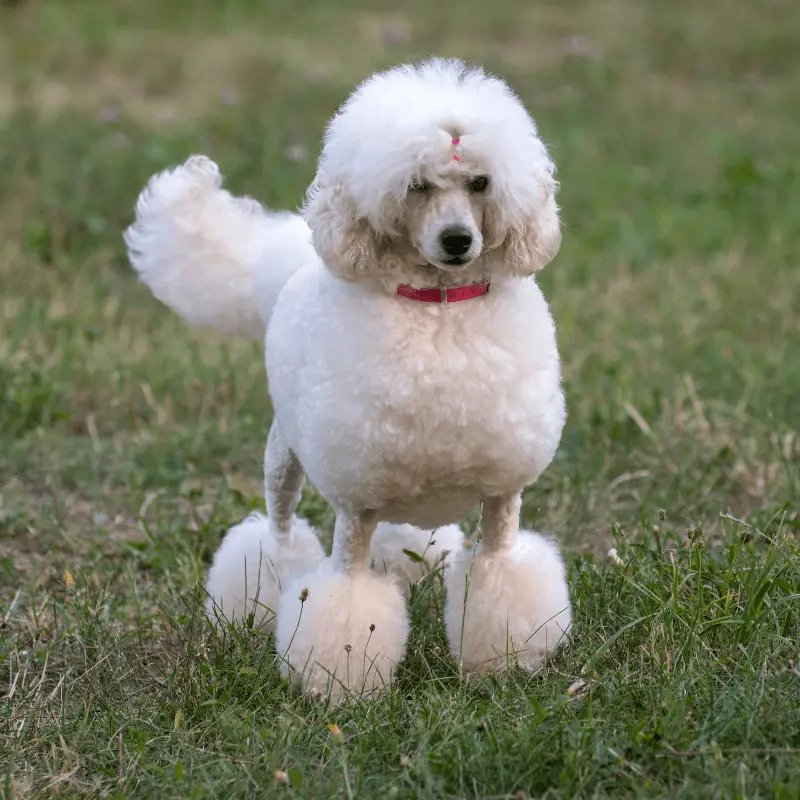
(283, 482)
(260, 555)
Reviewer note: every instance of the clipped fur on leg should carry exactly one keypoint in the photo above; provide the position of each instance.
(516, 610)
(252, 564)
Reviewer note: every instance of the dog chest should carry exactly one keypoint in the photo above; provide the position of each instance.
(387, 401)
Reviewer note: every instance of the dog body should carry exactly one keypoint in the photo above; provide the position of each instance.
(433, 184)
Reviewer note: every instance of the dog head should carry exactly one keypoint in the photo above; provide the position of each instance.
(438, 166)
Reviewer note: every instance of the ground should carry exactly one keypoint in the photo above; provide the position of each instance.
(129, 442)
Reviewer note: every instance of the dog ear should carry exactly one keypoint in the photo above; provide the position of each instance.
(531, 241)
(346, 243)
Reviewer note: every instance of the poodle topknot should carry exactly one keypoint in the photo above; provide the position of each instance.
(412, 366)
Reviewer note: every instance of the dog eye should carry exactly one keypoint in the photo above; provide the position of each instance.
(478, 184)
(419, 186)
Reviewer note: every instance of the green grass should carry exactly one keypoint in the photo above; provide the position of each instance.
(129, 441)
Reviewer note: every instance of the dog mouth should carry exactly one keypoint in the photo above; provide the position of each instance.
(453, 264)
(449, 263)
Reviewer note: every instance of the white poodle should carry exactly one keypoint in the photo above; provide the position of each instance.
(412, 364)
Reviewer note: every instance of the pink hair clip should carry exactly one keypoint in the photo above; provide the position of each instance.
(457, 153)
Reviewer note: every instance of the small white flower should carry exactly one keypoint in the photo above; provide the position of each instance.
(614, 556)
(578, 688)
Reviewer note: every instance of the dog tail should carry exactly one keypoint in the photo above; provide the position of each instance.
(217, 260)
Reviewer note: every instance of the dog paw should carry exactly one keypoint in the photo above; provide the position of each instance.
(507, 608)
(250, 567)
(341, 635)
(409, 552)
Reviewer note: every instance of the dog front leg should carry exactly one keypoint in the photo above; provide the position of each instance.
(342, 629)
(507, 598)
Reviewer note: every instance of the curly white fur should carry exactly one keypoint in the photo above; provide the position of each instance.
(399, 411)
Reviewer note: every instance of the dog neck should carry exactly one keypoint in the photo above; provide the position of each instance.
(456, 294)
(394, 271)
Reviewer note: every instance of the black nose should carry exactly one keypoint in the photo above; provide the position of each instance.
(455, 241)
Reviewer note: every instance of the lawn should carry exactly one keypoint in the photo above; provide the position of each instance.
(130, 441)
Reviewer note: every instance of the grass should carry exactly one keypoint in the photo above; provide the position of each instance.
(129, 442)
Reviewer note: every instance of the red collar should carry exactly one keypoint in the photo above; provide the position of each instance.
(442, 295)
